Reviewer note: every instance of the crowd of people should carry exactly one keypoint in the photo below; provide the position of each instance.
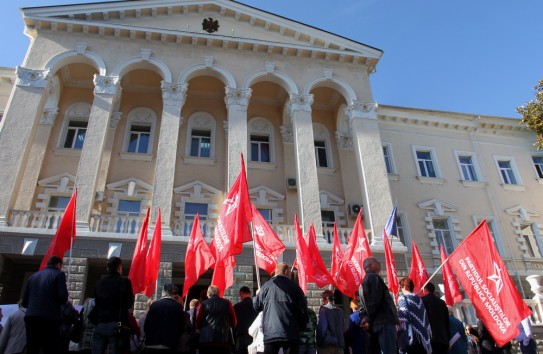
(276, 320)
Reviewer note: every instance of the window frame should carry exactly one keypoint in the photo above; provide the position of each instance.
(452, 235)
(78, 112)
(321, 134)
(433, 159)
(205, 122)
(538, 170)
(389, 156)
(200, 135)
(142, 116)
(474, 163)
(261, 127)
(512, 166)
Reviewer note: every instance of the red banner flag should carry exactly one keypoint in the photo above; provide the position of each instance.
(487, 283)
(317, 272)
(232, 228)
(392, 277)
(418, 272)
(223, 274)
(153, 258)
(65, 236)
(198, 258)
(344, 271)
(450, 285)
(268, 247)
(358, 248)
(302, 261)
(337, 255)
(138, 265)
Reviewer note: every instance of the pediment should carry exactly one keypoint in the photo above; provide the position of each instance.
(524, 213)
(197, 190)
(132, 186)
(263, 195)
(180, 21)
(63, 182)
(328, 200)
(438, 207)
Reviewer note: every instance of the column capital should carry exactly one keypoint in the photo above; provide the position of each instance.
(49, 115)
(361, 109)
(107, 85)
(238, 97)
(115, 118)
(287, 134)
(174, 94)
(299, 103)
(32, 78)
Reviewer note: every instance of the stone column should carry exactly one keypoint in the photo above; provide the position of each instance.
(106, 92)
(236, 103)
(299, 109)
(78, 278)
(19, 124)
(362, 117)
(173, 97)
(35, 160)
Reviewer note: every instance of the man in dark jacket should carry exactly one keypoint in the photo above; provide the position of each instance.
(215, 319)
(165, 322)
(331, 327)
(44, 295)
(381, 317)
(438, 314)
(284, 312)
(113, 297)
(245, 314)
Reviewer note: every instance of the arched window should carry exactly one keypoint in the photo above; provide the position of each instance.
(200, 136)
(323, 153)
(140, 131)
(74, 127)
(261, 141)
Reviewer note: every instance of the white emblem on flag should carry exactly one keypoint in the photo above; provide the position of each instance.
(232, 204)
(497, 278)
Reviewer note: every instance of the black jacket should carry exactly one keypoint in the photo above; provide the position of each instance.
(215, 319)
(284, 310)
(45, 293)
(380, 308)
(245, 314)
(438, 314)
(113, 297)
(164, 323)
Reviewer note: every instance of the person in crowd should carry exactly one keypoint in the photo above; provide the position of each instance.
(131, 334)
(412, 313)
(215, 319)
(245, 314)
(255, 330)
(13, 336)
(193, 306)
(68, 318)
(525, 337)
(1, 316)
(141, 320)
(438, 314)
(165, 322)
(308, 335)
(87, 332)
(331, 326)
(380, 317)
(458, 343)
(487, 343)
(43, 298)
(357, 336)
(473, 341)
(284, 308)
(113, 298)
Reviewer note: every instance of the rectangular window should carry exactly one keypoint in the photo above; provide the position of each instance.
(200, 145)
(260, 148)
(468, 168)
(494, 234)
(426, 165)
(266, 214)
(507, 173)
(320, 153)
(531, 242)
(388, 159)
(75, 135)
(191, 209)
(538, 164)
(400, 229)
(328, 218)
(443, 234)
(58, 203)
(139, 139)
(129, 207)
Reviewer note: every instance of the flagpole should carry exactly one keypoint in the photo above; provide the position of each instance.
(70, 259)
(254, 255)
(434, 273)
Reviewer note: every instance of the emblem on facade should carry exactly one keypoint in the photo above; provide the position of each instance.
(210, 25)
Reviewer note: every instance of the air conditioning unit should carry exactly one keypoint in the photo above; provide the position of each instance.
(354, 209)
(291, 183)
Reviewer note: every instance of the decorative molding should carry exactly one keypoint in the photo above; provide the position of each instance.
(79, 111)
(115, 118)
(145, 54)
(49, 115)
(287, 134)
(173, 94)
(270, 67)
(299, 103)
(328, 73)
(81, 48)
(208, 61)
(31, 78)
(360, 109)
(106, 85)
(239, 97)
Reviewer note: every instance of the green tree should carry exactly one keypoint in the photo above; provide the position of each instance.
(532, 114)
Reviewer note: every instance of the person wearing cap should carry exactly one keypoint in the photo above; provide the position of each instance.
(331, 326)
(165, 323)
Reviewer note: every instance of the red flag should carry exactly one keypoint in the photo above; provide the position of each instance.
(233, 224)
(317, 271)
(418, 272)
(450, 285)
(153, 258)
(484, 276)
(392, 278)
(65, 236)
(344, 272)
(223, 274)
(137, 268)
(358, 248)
(198, 258)
(268, 247)
(302, 261)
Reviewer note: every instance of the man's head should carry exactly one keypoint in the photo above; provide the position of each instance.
(327, 296)
(115, 264)
(282, 269)
(170, 290)
(429, 289)
(194, 303)
(244, 292)
(354, 304)
(212, 290)
(372, 265)
(55, 261)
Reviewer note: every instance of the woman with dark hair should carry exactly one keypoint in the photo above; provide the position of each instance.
(413, 319)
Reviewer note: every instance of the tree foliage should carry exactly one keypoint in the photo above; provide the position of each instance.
(532, 114)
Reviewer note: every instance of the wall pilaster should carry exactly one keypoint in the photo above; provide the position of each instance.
(236, 103)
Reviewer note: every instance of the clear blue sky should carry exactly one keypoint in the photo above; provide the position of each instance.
(470, 56)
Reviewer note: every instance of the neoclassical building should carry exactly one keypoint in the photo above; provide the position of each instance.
(149, 104)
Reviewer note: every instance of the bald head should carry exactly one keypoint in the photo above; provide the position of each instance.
(372, 265)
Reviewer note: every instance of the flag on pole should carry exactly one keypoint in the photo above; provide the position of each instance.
(138, 265)
(337, 255)
(268, 247)
(153, 258)
(418, 272)
(485, 278)
(317, 272)
(223, 274)
(390, 226)
(450, 285)
(302, 261)
(65, 236)
(392, 277)
(198, 258)
(358, 248)
(345, 274)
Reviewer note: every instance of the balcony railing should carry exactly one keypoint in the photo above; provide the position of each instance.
(34, 219)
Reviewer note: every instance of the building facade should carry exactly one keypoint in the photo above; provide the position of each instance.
(149, 104)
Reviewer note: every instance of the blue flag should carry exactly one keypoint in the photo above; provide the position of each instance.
(390, 226)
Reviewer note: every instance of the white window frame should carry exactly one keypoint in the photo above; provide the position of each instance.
(320, 133)
(476, 170)
(513, 166)
(535, 243)
(451, 232)
(259, 126)
(140, 116)
(538, 171)
(57, 210)
(495, 232)
(200, 121)
(405, 228)
(78, 112)
(433, 159)
(390, 155)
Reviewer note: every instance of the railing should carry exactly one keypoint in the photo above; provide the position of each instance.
(34, 219)
(120, 224)
(184, 228)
